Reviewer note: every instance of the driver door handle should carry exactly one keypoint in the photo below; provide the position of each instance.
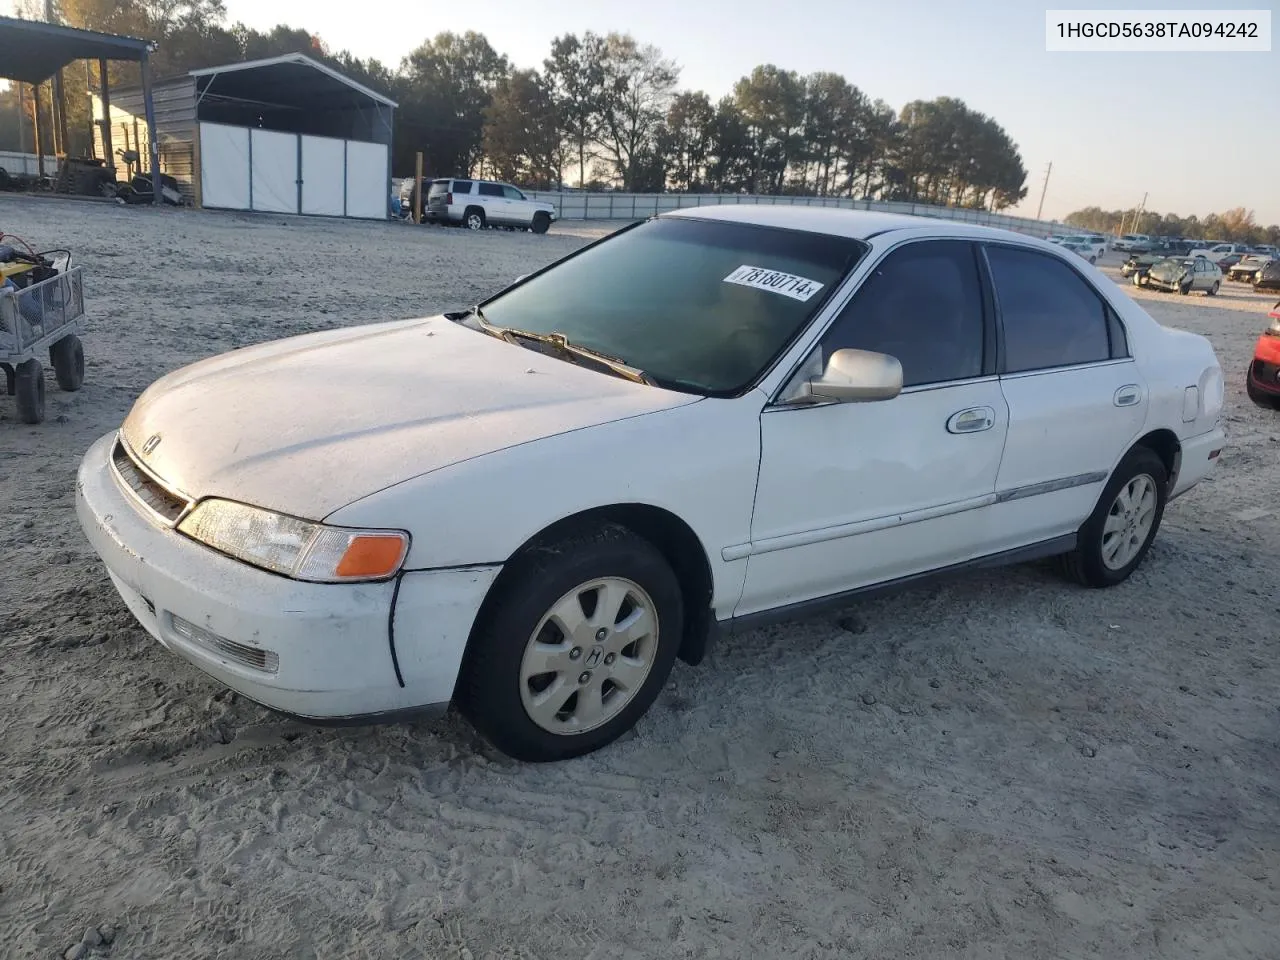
(973, 420)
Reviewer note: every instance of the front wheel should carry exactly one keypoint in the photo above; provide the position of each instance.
(1213, 291)
(1184, 289)
(541, 223)
(1117, 535)
(573, 645)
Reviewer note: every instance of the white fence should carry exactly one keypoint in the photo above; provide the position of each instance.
(14, 162)
(636, 206)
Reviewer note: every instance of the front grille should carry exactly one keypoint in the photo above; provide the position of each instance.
(264, 661)
(153, 495)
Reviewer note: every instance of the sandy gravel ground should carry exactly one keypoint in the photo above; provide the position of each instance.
(1007, 766)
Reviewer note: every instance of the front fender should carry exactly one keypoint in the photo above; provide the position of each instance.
(698, 462)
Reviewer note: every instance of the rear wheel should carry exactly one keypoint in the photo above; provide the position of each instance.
(474, 219)
(573, 646)
(1117, 535)
(29, 391)
(67, 357)
(541, 223)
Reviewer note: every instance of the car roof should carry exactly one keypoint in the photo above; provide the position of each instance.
(857, 224)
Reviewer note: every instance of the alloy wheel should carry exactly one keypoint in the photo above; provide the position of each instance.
(589, 655)
(1129, 521)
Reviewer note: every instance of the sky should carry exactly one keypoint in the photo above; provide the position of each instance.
(1196, 132)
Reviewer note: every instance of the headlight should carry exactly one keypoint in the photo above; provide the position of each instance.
(296, 548)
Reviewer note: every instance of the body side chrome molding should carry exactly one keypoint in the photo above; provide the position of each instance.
(804, 538)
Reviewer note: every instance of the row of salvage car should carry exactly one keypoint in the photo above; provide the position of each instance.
(1185, 274)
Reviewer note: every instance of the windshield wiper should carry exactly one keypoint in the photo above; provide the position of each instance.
(561, 343)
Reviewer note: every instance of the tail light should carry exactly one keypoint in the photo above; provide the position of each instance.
(448, 198)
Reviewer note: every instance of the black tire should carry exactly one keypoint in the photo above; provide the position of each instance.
(67, 357)
(1085, 564)
(473, 219)
(29, 391)
(541, 223)
(1265, 400)
(1185, 289)
(1213, 291)
(489, 690)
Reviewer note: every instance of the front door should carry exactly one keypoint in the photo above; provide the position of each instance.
(851, 494)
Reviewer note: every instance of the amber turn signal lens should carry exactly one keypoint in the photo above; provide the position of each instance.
(371, 555)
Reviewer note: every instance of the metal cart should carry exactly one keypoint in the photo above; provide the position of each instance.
(45, 314)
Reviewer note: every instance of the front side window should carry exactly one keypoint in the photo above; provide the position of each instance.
(923, 305)
(1051, 316)
(511, 193)
(700, 305)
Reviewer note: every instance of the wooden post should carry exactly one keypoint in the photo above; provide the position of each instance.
(39, 128)
(417, 188)
(153, 146)
(22, 124)
(105, 90)
(59, 116)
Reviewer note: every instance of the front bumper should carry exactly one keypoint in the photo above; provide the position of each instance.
(316, 651)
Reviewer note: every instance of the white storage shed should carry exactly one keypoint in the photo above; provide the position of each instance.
(283, 135)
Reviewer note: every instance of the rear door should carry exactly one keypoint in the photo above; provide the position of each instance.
(1076, 399)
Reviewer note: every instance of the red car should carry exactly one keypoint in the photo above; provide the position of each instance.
(1263, 380)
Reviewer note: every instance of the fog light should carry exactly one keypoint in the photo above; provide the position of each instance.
(255, 658)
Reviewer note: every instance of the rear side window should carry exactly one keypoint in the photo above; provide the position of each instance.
(489, 190)
(1051, 316)
(462, 186)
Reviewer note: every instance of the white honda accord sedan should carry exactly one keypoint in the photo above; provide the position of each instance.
(711, 418)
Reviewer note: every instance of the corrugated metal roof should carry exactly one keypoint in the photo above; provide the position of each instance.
(31, 51)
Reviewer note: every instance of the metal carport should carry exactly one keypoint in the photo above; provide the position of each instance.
(33, 51)
(265, 109)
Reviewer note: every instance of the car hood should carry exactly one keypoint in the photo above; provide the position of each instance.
(309, 424)
(1167, 271)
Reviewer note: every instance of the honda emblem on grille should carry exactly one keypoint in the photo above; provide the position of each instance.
(153, 441)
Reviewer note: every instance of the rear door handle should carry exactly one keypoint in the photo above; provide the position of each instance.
(1128, 395)
(973, 420)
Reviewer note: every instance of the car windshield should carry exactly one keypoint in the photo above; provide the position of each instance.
(699, 305)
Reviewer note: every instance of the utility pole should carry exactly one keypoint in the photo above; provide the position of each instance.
(1044, 189)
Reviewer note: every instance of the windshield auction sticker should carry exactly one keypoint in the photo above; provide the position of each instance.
(775, 281)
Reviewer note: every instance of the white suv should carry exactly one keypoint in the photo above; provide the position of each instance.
(477, 204)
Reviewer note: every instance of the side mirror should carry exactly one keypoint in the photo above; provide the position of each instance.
(858, 375)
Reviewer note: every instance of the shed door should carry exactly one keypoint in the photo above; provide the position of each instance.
(224, 166)
(274, 171)
(323, 176)
(368, 189)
